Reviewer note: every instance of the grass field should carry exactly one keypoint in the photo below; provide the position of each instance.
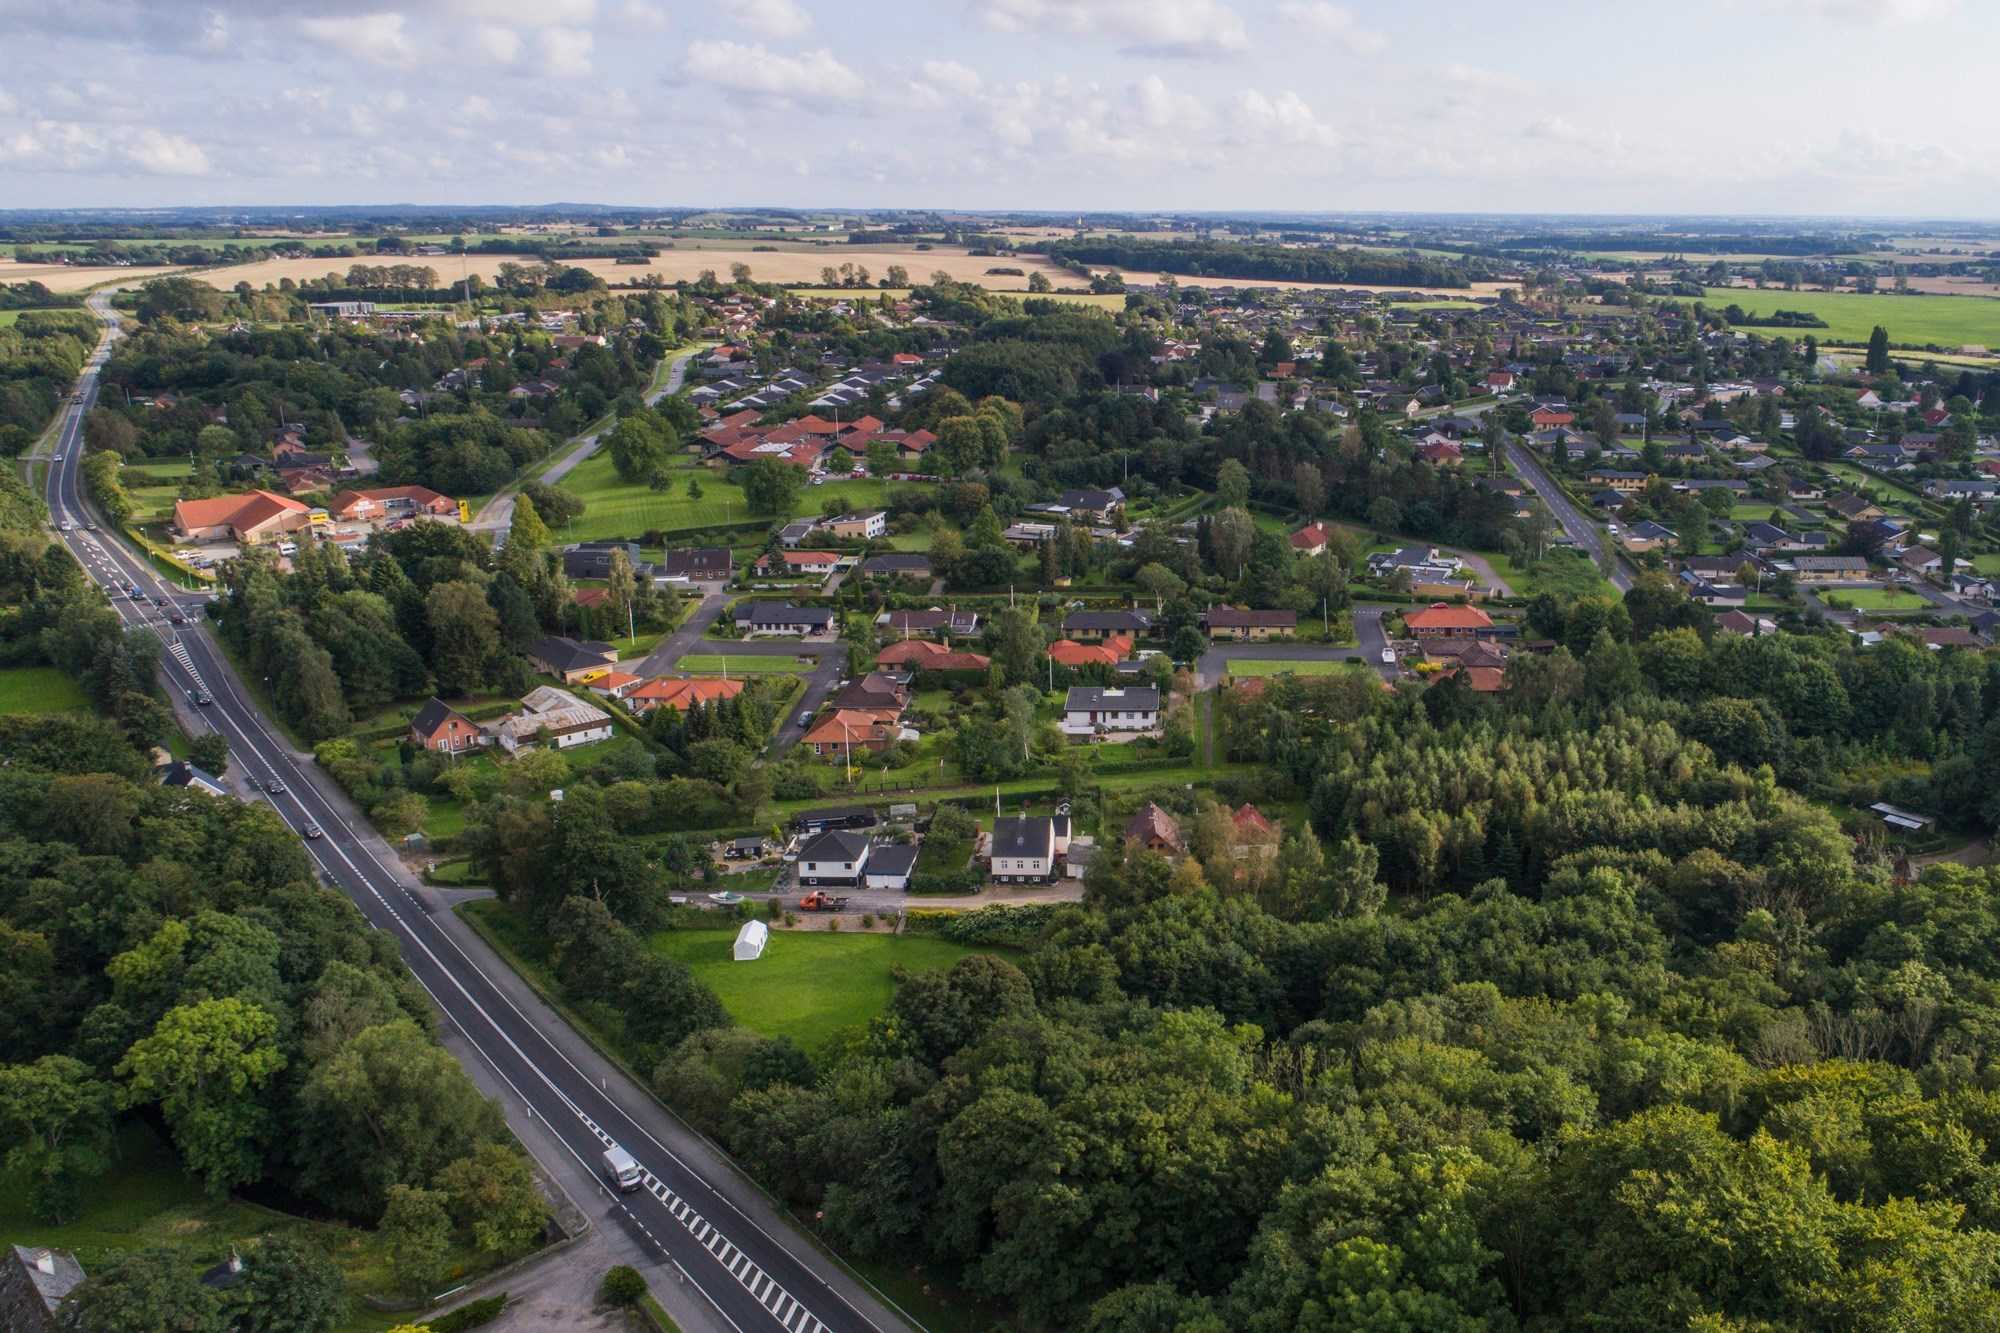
(146, 1200)
(1850, 316)
(1259, 666)
(39, 690)
(1876, 599)
(811, 986)
(614, 507)
(742, 664)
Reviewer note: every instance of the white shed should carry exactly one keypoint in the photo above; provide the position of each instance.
(750, 941)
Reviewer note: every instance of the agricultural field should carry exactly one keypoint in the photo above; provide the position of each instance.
(72, 278)
(39, 690)
(811, 986)
(1952, 321)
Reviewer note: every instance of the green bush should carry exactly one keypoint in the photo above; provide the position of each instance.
(622, 1286)
(483, 1311)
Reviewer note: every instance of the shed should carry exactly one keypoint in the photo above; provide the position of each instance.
(750, 941)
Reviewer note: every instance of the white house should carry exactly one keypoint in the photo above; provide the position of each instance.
(834, 857)
(1023, 850)
(1089, 709)
(750, 941)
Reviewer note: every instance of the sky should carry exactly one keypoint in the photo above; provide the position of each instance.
(1840, 107)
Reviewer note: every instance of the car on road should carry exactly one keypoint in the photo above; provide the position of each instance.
(275, 787)
(312, 830)
(202, 698)
(67, 525)
(176, 618)
(1389, 656)
(91, 526)
(59, 458)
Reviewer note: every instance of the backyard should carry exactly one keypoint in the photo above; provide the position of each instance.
(812, 986)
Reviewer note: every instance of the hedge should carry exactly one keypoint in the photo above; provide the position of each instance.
(1016, 926)
(483, 1311)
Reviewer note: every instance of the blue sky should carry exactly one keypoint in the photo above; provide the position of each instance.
(1723, 106)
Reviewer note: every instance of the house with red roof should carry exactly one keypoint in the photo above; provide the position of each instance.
(1310, 540)
(257, 516)
(1070, 653)
(1442, 621)
(680, 695)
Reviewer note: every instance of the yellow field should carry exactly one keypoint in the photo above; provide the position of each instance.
(74, 278)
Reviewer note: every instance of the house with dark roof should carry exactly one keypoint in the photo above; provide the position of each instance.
(929, 620)
(698, 564)
(33, 1284)
(1090, 710)
(837, 856)
(783, 618)
(1229, 622)
(1022, 850)
(592, 560)
(182, 774)
(442, 729)
(907, 565)
(1156, 830)
(571, 660)
(1088, 626)
(890, 865)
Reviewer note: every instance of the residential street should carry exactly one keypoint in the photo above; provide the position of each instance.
(1581, 530)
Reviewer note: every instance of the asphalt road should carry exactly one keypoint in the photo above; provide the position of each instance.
(1370, 640)
(1581, 530)
(706, 1222)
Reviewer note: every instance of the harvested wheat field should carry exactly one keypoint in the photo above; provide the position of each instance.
(74, 277)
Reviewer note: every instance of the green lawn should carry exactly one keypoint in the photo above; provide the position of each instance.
(811, 986)
(743, 664)
(1850, 316)
(146, 1200)
(39, 690)
(1876, 599)
(614, 507)
(1244, 666)
(1987, 563)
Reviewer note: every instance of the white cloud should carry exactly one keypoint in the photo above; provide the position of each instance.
(1867, 12)
(377, 38)
(779, 19)
(1282, 119)
(951, 77)
(500, 45)
(214, 32)
(7, 103)
(51, 145)
(1194, 28)
(566, 52)
(529, 13)
(641, 14)
(475, 108)
(754, 69)
(1333, 23)
(611, 158)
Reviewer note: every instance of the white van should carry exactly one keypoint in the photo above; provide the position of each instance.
(621, 1170)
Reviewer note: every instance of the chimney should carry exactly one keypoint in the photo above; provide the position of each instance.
(45, 1260)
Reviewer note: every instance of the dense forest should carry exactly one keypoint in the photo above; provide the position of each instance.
(1230, 259)
(40, 355)
(168, 958)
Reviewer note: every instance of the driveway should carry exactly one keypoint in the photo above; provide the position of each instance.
(830, 656)
(681, 642)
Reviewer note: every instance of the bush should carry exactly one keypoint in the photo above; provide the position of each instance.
(483, 1311)
(1016, 926)
(622, 1285)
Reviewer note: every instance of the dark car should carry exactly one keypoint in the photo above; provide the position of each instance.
(311, 830)
(203, 698)
(176, 618)
(275, 787)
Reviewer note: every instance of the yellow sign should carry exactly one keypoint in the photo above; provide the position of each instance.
(464, 512)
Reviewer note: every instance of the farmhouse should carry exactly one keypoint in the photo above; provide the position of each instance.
(442, 729)
(1089, 710)
(1023, 850)
(251, 518)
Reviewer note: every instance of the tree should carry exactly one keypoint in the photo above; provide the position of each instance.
(205, 1063)
(417, 1231)
(1309, 488)
(288, 1287)
(622, 1284)
(1232, 484)
(1877, 361)
(465, 634)
(146, 1291)
(1038, 282)
(209, 751)
(527, 532)
(1159, 582)
(622, 585)
(57, 1121)
(1232, 533)
(772, 486)
(493, 1195)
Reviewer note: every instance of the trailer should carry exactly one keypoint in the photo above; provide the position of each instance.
(821, 901)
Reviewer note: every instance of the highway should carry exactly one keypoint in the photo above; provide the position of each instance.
(702, 1217)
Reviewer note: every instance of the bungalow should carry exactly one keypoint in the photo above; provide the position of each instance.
(835, 857)
(889, 866)
(442, 729)
(699, 564)
(1022, 850)
(571, 660)
(392, 502)
(592, 560)
(1764, 536)
(1500, 381)
(1743, 625)
(1155, 830)
(1647, 536)
(859, 527)
(1853, 507)
(1091, 626)
(182, 774)
(1547, 416)
(554, 715)
(250, 518)
(1948, 636)
(795, 532)
(1100, 506)
(1830, 568)
(1070, 653)
(1089, 710)
(1441, 453)
(1310, 540)
(900, 566)
(873, 692)
(1439, 621)
(1228, 622)
(1980, 489)
(931, 620)
(783, 618)
(917, 654)
(1921, 560)
(842, 731)
(799, 563)
(679, 695)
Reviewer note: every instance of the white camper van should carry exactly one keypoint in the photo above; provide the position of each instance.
(621, 1169)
